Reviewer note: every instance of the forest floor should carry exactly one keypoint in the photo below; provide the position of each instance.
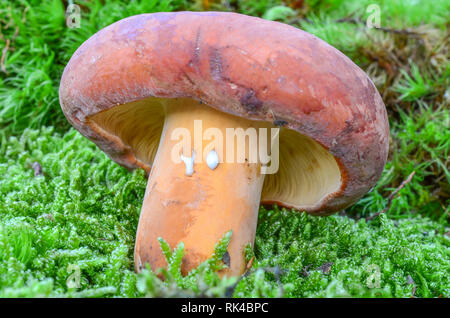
(68, 211)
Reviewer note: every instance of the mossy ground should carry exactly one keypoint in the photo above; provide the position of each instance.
(65, 206)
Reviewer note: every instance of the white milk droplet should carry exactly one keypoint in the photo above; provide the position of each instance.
(189, 163)
(212, 160)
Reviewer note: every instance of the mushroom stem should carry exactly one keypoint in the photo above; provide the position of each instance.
(199, 209)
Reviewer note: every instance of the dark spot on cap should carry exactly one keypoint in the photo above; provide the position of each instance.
(280, 123)
(251, 103)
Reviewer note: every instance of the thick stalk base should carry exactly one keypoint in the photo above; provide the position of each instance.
(198, 209)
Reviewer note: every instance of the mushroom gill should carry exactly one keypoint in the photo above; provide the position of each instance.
(307, 173)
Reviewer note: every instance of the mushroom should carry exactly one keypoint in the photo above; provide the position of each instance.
(156, 91)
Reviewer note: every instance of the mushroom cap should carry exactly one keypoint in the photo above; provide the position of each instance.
(241, 65)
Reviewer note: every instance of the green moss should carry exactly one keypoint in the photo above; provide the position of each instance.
(394, 14)
(82, 213)
(40, 45)
(338, 256)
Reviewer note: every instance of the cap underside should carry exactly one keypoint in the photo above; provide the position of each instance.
(307, 175)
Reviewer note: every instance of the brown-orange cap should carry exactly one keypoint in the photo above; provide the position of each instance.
(241, 65)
